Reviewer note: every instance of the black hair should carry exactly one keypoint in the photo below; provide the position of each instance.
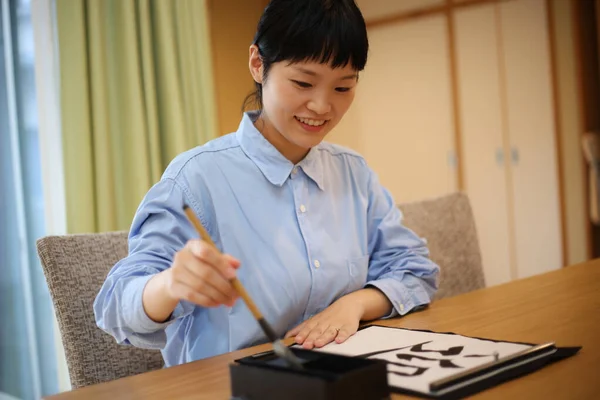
(326, 31)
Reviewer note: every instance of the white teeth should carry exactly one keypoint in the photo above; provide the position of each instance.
(311, 122)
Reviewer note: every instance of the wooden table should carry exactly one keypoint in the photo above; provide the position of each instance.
(561, 306)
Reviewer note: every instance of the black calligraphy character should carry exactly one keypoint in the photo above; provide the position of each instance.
(405, 358)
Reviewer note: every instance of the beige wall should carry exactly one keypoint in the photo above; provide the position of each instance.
(381, 9)
(406, 82)
(232, 26)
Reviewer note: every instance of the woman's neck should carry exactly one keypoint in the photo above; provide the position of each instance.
(289, 150)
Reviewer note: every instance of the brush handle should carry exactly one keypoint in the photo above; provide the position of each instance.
(235, 282)
(237, 285)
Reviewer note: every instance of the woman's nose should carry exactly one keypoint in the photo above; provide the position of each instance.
(319, 105)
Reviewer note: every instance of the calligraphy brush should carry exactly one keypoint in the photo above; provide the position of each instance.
(280, 349)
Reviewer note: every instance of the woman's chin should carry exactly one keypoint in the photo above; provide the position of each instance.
(308, 140)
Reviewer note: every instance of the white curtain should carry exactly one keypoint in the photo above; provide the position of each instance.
(28, 366)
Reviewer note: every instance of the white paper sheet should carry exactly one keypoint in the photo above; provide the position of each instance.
(418, 358)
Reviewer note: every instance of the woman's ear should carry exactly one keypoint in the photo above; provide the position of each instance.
(256, 64)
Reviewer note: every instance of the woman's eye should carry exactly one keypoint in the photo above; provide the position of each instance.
(302, 84)
(342, 89)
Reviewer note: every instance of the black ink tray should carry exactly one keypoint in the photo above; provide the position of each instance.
(324, 377)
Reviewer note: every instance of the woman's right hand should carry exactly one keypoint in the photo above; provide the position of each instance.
(201, 274)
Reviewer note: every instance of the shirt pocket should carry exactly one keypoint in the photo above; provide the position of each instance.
(357, 272)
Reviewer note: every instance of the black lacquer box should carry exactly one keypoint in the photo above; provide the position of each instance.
(325, 376)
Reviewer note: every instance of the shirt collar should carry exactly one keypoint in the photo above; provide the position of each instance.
(312, 166)
(273, 165)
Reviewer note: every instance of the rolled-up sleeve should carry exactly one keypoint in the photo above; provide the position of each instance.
(399, 265)
(159, 229)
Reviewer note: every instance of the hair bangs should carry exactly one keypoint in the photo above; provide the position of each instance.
(324, 31)
(331, 41)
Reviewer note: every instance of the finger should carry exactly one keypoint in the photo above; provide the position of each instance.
(205, 286)
(212, 256)
(234, 262)
(344, 334)
(314, 334)
(327, 336)
(186, 293)
(294, 331)
(304, 331)
(198, 270)
(214, 281)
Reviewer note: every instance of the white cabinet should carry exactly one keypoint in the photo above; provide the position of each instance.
(483, 153)
(531, 134)
(403, 122)
(508, 136)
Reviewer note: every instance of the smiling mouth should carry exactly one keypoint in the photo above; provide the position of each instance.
(316, 123)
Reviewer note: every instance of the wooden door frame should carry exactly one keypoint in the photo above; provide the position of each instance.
(585, 35)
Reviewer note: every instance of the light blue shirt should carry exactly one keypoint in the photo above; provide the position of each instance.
(305, 234)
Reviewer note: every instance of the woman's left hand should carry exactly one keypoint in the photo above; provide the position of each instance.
(337, 322)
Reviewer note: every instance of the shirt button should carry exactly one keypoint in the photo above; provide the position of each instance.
(295, 170)
(317, 264)
(302, 208)
(401, 306)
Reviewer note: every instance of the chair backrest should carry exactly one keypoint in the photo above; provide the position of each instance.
(448, 225)
(75, 267)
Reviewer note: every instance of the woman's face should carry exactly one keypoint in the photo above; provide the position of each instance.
(302, 102)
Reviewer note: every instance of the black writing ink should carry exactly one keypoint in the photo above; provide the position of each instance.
(444, 363)
(452, 351)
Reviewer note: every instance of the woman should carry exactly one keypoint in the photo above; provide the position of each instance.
(305, 225)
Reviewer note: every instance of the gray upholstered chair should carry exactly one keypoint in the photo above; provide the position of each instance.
(75, 267)
(448, 225)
